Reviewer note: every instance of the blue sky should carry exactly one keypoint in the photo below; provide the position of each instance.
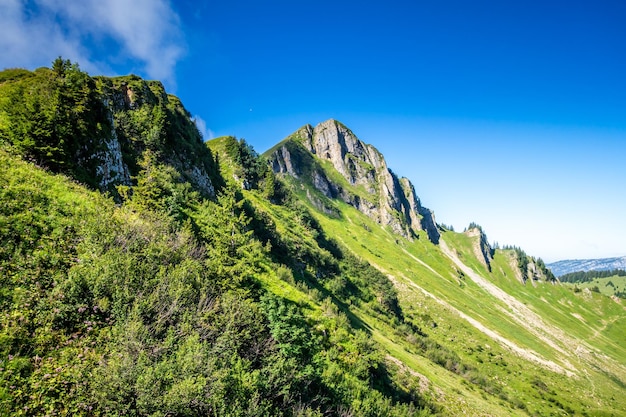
(509, 115)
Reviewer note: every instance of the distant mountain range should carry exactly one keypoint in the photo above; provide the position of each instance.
(574, 265)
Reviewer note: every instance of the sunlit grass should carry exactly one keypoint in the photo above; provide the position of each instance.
(418, 265)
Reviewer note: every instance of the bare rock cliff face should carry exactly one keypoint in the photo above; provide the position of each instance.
(482, 249)
(112, 169)
(390, 201)
(354, 160)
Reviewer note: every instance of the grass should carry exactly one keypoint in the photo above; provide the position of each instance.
(591, 321)
(607, 286)
(463, 370)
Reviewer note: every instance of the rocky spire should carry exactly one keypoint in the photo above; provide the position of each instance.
(387, 200)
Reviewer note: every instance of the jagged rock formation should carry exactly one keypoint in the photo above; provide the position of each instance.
(364, 181)
(482, 249)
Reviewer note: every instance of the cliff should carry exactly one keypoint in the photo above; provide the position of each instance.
(482, 249)
(339, 165)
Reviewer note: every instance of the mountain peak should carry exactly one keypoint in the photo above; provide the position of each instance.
(364, 180)
(353, 159)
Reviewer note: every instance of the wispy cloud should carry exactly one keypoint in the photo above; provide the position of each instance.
(104, 36)
(207, 133)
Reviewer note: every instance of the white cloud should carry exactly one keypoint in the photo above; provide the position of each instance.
(98, 34)
(31, 39)
(207, 134)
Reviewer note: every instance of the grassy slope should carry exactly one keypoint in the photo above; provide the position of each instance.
(458, 366)
(79, 358)
(603, 284)
(455, 396)
(432, 289)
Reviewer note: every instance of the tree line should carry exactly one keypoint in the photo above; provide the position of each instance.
(587, 276)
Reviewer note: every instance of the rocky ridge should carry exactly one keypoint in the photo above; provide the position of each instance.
(482, 249)
(364, 181)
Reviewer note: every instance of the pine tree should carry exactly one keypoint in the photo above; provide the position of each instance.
(234, 253)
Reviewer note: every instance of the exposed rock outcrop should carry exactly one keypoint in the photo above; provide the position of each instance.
(111, 169)
(364, 181)
(481, 246)
(143, 116)
(281, 162)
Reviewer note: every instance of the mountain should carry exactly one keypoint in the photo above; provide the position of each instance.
(458, 275)
(574, 265)
(339, 165)
(145, 272)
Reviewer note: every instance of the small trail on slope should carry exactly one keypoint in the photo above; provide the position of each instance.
(524, 353)
(519, 312)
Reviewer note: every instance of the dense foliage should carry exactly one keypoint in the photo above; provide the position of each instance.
(148, 310)
(65, 120)
(54, 117)
(249, 166)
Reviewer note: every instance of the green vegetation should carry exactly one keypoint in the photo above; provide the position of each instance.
(156, 297)
(497, 377)
(610, 286)
(53, 115)
(248, 165)
(530, 267)
(162, 304)
(63, 119)
(586, 276)
(610, 282)
(143, 309)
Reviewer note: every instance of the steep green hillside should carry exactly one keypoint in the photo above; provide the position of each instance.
(142, 310)
(98, 129)
(172, 303)
(522, 337)
(146, 273)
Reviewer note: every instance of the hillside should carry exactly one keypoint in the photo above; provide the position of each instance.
(100, 130)
(610, 286)
(483, 297)
(147, 273)
(607, 282)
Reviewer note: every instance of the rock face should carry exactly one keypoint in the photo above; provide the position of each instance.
(364, 181)
(111, 170)
(143, 116)
(481, 246)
